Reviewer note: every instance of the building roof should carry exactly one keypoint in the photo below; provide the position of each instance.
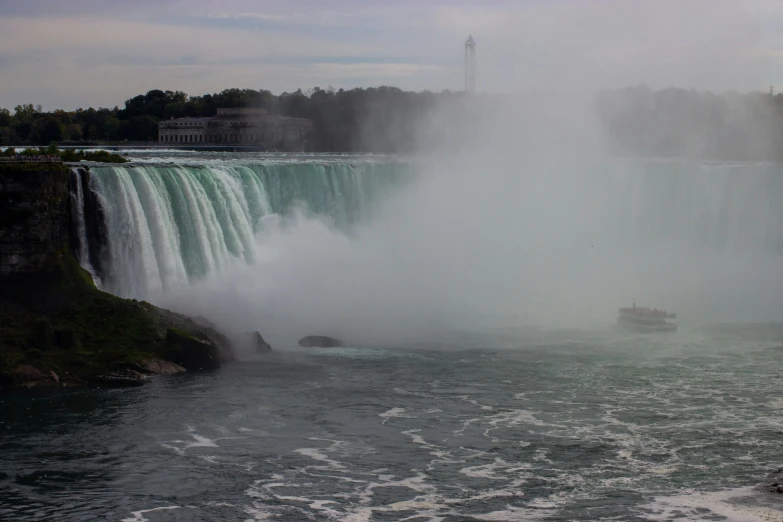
(259, 117)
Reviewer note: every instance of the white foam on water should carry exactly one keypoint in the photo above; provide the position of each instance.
(199, 441)
(138, 516)
(474, 402)
(418, 439)
(403, 391)
(393, 413)
(259, 514)
(775, 404)
(465, 425)
(510, 514)
(499, 469)
(254, 432)
(694, 506)
(316, 454)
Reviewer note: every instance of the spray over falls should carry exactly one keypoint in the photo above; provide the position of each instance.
(395, 239)
(168, 225)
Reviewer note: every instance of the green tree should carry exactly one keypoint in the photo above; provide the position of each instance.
(24, 112)
(48, 129)
(141, 128)
(5, 117)
(110, 130)
(73, 132)
(8, 136)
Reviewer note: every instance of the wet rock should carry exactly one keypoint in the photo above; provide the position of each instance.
(779, 489)
(319, 341)
(159, 366)
(258, 343)
(118, 379)
(198, 328)
(27, 373)
(190, 352)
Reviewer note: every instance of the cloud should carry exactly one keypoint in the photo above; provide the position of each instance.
(199, 46)
(244, 15)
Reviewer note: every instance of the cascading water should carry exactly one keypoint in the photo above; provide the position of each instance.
(465, 237)
(169, 225)
(726, 209)
(77, 211)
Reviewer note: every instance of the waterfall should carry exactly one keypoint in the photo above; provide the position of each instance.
(77, 211)
(168, 225)
(725, 209)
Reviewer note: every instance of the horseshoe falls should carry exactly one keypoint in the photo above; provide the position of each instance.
(482, 378)
(473, 235)
(171, 224)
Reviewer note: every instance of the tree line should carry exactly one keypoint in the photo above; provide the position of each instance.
(635, 121)
(737, 126)
(382, 119)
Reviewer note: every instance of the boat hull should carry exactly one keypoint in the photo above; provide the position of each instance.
(635, 326)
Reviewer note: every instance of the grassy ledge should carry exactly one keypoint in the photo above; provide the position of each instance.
(52, 154)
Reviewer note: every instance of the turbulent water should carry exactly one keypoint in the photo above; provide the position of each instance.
(557, 426)
(458, 422)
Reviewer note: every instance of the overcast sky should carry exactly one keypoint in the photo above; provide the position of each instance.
(80, 53)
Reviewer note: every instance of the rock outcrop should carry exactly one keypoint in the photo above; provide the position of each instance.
(54, 323)
(27, 373)
(33, 215)
(255, 342)
(198, 327)
(158, 366)
(117, 379)
(190, 352)
(319, 341)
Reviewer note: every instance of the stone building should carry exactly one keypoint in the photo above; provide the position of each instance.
(242, 126)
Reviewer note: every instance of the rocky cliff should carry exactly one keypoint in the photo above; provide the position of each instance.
(55, 325)
(33, 214)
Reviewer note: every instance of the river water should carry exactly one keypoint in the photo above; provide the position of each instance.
(519, 426)
(433, 412)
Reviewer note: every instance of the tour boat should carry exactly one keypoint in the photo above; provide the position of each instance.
(643, 319)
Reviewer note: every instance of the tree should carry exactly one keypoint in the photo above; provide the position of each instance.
(141, 128)
(24, 112)
(73, 132)
(110, 129)
(47, 130)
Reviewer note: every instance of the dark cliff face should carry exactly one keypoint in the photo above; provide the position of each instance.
(33, 216)
(52, 317)
(34, 233)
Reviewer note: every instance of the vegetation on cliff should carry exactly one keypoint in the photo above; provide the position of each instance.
(91, 332)
(69, 155)
(52, 316)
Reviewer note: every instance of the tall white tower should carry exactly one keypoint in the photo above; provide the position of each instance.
(470, 66)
